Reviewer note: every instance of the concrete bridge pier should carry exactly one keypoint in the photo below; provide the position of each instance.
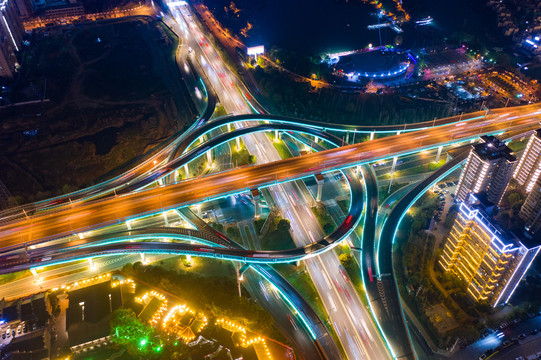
(186, 171)
(165, 219)
(319, 179)
(439, 153)
(144, 260)
(238, 143)
(256, 195)
(372, 135)
(35, 273)
(392, 173)
(209, 158)
(92, 265)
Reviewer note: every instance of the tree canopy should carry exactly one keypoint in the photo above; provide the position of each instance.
(128, 331)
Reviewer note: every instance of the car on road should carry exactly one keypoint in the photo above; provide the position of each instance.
(343, 273)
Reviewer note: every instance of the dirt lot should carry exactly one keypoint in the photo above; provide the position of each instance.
(115, 93)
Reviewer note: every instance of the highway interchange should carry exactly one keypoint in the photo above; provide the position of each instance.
(92, 209)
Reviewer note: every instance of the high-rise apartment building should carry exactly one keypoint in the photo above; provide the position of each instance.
(490, 262)
(531, 209)
(24, 8)
(488, 169)
(529, 166)
(11, 37)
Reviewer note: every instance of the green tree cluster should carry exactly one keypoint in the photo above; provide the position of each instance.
(138, 338)
(278, 236)
(345, 260)
(292, 98)
(216, 295)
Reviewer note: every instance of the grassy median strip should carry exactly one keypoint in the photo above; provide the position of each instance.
(304, 285)
(280, 146)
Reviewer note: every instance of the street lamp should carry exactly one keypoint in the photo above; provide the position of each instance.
(82, 305)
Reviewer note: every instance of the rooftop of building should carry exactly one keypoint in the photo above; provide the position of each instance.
(484, 207)
(96, 300)
(492, 148)
(376, 61)
(26, 345)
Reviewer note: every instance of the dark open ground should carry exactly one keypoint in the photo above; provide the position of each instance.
(115, 92)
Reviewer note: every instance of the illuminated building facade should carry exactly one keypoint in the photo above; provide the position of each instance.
(11, 37)
(488, 169)
(529, 167)
(490, 262)
(531, 209)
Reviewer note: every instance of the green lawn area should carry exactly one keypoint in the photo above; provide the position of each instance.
(4, 279)
(258, 223)
(233, 232)
(518, 145)
(344, 205)
(421, 169)
(241, 157)
(280, 146)
(383, 193)
(276, 240)
(201, 266)
(325, 220)
(197, 167)
(219, 111)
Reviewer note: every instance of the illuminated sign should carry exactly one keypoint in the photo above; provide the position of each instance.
(177, 3)
(256, 50)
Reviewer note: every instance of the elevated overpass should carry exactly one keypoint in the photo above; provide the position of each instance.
(203, 125)
(81, 217)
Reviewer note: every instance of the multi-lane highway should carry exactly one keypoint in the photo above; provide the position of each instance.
(83, 217)
(357, 334)
(86, 211)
